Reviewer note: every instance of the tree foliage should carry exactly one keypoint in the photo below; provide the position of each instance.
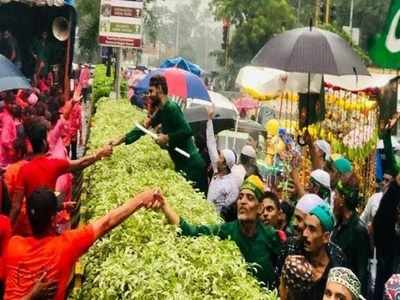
(253, 24)
(88, 12)
(369, 15)
(187, 30)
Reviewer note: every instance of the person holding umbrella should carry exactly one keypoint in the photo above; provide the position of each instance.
(175, 134)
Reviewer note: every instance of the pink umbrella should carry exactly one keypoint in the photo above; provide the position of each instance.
(246, 103)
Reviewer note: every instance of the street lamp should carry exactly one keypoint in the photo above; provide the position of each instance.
(298, 10)
(351, 15)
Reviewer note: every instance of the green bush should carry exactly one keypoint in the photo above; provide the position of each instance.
(103, 85)
(144, 258)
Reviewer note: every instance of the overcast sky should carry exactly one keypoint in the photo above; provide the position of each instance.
(176, 2)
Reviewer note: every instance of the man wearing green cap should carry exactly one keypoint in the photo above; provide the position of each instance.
(258, 243)
(317, 249)
(351, 233)
(339, 168)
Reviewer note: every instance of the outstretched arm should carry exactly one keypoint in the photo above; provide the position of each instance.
(316, 161)
(211, 142)
(79, 164)
(297, 184)
(133, 135)
(170, 213)
(187, 229)
(120, 214)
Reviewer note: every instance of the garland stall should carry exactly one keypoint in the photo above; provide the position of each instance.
(347, 120)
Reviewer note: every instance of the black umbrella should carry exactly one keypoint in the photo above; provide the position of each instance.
(310, 50)
(10, 77)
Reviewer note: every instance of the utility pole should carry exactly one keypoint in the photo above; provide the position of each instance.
(205, 47)
(177, 35)
(327, 11)
(317, 8)
(118, 74)
(351, 16)
(298, 11)
(225, 39)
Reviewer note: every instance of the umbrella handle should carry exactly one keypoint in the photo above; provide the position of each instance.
(301, 141)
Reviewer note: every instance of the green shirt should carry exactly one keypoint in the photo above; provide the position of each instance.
(180, 135)
(262, 249)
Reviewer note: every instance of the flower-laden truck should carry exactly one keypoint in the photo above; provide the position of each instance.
(38, 36)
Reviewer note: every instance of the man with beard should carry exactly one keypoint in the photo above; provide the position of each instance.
(175, 133)
(304, 241)
(294, 244)
(258, 243)
(318, 251)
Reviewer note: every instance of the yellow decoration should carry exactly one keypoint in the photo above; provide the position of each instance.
(274, 146)
(257, 95)
(272, 127)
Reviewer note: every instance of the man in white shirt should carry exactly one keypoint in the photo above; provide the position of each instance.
(247, 163)
(224, 186)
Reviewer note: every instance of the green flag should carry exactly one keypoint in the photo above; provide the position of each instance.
(384, 49)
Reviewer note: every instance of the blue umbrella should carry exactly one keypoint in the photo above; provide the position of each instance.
(10, 77)
(183, 64)
(181, 83)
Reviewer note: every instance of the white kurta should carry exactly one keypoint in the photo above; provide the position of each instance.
(224, 189)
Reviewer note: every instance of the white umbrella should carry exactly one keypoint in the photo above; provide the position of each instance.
(223, 107)
(265, 81)
(360, 83)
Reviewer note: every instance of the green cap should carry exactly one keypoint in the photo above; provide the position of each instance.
(343, 165)
(254, 184)
(324, 215)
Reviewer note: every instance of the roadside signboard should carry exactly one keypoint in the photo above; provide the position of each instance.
(354, 33)
(121, 23)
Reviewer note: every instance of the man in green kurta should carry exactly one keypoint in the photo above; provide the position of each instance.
(259, 244)
(175, 133)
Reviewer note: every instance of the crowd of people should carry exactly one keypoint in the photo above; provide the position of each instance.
(40, 131)
(312, 244)
(298, 242)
